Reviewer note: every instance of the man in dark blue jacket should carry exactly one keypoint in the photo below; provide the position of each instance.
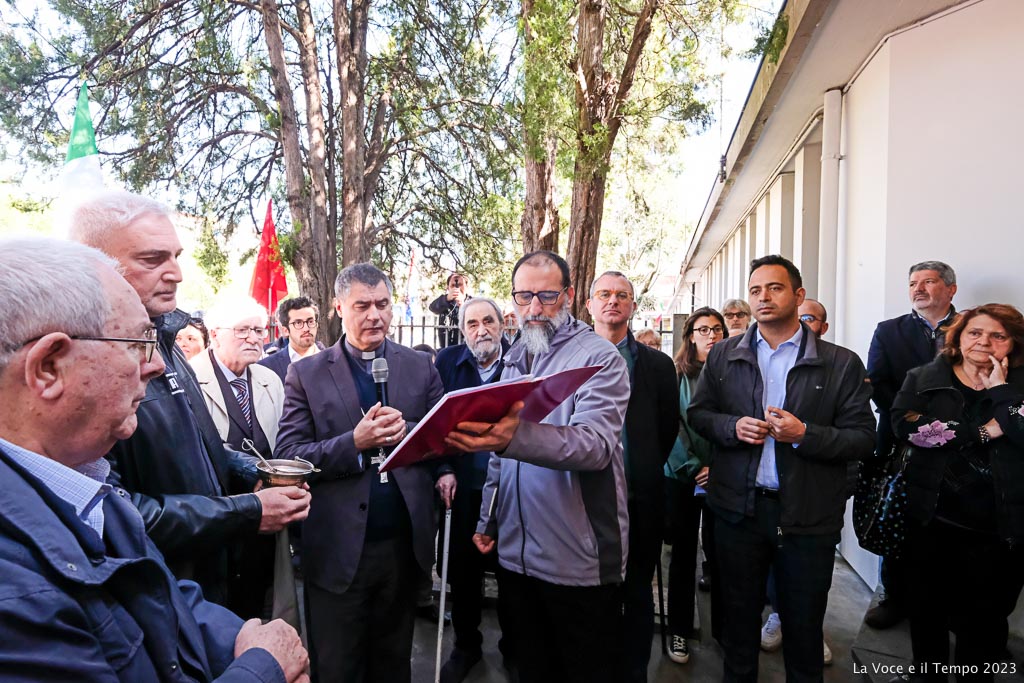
(86, 596)
(785, 412)
(301, 317)
(898, 346)
(462, 366)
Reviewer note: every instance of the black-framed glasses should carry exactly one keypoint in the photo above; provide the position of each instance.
(547, 297)
(244, 332)
(705, 331)
(738, 314)
(303, 324)
(808, 318)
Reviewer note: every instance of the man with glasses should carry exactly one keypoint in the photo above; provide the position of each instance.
(785, 412)
(301, 317)
(559, 512)
(737, 316)
(651, 426)
(813, 314)
(86, 595)
(194, 495)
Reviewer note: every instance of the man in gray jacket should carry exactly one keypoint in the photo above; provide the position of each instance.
(555, 497)
(786, 412)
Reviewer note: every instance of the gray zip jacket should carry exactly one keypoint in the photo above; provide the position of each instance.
(559, 489)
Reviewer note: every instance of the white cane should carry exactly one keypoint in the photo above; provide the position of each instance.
(444, 583)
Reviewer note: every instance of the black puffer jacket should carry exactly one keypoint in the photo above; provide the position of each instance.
(827, 389)
(929, 396)
(181, 493)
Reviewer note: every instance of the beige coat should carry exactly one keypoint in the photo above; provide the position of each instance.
(267, 397)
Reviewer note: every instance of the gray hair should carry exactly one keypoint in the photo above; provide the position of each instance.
(736, 303)
(93, 221)
(945, 272)
(49, 285)
(479, 300)
(612, 273)
(229, 310)
(363, 273)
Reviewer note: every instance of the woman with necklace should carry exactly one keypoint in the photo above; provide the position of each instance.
(961, 414)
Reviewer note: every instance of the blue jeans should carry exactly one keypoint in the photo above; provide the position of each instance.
(802, 564)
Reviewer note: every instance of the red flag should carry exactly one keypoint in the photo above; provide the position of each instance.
(268, 284)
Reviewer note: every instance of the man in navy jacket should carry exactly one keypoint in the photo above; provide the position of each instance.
(462, 366)
(898, 346)
(86, 596)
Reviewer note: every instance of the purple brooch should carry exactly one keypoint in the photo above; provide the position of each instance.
(932, 435)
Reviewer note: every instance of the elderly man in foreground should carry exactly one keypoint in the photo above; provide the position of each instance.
(86, 596)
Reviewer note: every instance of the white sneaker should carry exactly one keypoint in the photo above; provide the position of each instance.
(771, 633)
(828, 653)
(678, 651)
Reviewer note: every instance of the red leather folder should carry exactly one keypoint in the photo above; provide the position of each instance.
(488, 403)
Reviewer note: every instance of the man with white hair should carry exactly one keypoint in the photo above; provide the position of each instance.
(86, 595)
(175, 465)
(559, 513)
(245, 401)
(472, 364)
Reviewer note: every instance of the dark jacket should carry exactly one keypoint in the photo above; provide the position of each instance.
(180, 493)
(929, 395)
(651, 427)
(458, 370)
(447, 313)
(827, 389)
(73, 610)
(897, 346)
(281, 359)
(321, 411)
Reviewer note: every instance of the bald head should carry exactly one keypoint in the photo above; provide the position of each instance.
(814, 315)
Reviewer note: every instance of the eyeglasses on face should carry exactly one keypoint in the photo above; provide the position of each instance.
(705, 331)
(547, 297)
(605, 294)
(303, 324)
(147, 344)
(808, 318)
(740, 315)
(244, 332)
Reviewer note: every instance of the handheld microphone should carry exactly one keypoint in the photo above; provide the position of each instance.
(379, 370)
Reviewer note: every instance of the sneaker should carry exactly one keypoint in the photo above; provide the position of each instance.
(827, 659)
(886, 614)
(459, 665)
(771, 633)
(678, 651)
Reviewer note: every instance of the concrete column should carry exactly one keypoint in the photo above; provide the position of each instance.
(763, 228)
(806, 202)
(828, 221)
(780, 209)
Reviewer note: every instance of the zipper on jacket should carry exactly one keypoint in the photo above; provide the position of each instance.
(522, 524)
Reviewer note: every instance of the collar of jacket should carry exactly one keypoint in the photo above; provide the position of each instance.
(32, 513)
(516, 354)
(169, 324)
(744, 349)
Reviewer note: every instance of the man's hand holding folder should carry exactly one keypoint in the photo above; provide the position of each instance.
(486, 436)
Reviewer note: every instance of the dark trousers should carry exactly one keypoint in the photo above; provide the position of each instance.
(564, 634)
(466, 567)
(365, 633)
(684, 512)
(962, 584)
(645, 534)
(803, 565)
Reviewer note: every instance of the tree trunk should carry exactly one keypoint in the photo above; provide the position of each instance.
(350, 27)
(540, 213)
(314, 260)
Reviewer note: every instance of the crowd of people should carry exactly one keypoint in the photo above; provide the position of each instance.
(137, 538)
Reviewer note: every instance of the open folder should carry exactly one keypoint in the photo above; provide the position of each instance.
(487, 403)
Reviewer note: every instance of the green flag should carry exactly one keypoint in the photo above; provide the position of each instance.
(82, 166)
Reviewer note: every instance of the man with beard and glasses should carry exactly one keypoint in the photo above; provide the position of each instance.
(472, 364)
(555, 496)
(299, 318)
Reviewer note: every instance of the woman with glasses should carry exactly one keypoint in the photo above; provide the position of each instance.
(686, 474)
(193, 338)
(962, 416)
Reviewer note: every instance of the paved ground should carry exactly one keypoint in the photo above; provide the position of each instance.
(848, 600)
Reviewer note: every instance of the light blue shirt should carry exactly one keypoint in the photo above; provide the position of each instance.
(774, 366)
(83, 488)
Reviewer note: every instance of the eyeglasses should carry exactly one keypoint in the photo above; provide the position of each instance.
(705, 331)
(547, 297)
(738, 314)
(244, 332)
(605, 294)
(303, 324)
(146, 345)
(808, 318)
